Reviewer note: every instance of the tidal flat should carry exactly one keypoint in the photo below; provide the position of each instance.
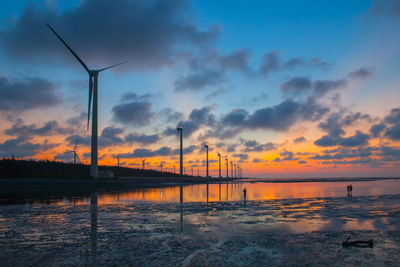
(288, 224)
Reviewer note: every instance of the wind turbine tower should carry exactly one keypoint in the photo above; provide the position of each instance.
(235, 170)
(206, 146)
(180, 129)
(232, 169)
(93, 92)
(227, 167)
(219, 161)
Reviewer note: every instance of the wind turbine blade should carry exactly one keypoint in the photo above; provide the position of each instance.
(112, 66)
(76, 143)
(69, 48)
(90, 99)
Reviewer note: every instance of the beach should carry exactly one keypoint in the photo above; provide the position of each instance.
(217, 227)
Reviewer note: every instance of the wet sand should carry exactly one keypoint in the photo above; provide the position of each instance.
(287, 232)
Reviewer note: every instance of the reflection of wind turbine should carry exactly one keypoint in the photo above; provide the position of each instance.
(93, 86)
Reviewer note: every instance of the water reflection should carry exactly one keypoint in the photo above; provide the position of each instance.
(181, 210)
(232, 191)
(93, 228)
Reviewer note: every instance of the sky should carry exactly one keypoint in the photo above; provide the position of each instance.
(281, 88)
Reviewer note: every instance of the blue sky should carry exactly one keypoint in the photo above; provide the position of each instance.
(247, 77)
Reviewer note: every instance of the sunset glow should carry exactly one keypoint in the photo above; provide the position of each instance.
(283, 89)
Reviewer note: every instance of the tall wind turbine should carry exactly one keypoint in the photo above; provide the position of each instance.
(180, 129)
(227, 167)
(231, 169)
(235, 170)
(219, 160)
(206, 146)
(93, 91)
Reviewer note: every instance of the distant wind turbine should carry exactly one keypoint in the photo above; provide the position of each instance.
(93, 91)
(143, 163)
(74, 151)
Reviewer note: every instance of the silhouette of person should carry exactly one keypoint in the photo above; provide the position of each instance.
(351, 189)
(348, 190)
(244, 192)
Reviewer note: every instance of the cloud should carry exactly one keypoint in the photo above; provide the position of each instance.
(148, 34)
(22, 147)
(49, 128)
(323, 87)
(299, 140)
(78, 120)
(286, 156)
(345, 153)
(377, 129)
(27, 94)
(242, 157)
(147, 153)
(362, 73)
(279, 118)
(163, 151)
(300, 61)
(393, 127)
(199, 80)
(133, 113)
(235, 117)
(82, 140)
(237, 60)
(254, 146)
(171, 115)
(130, 97)
(270, 62)
(197, 118)
(359, 139)
(334, 127)
(110, 136)
(142, 138)
(386, 8)
(297, 85)
(284, 115)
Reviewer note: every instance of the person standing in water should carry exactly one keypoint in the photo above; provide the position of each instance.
(351, 190)
(244, 192)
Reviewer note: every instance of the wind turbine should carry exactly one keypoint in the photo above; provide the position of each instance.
(180, 129)
(93, 91)
(74, 151)
(143, 163)
(227, 167)
(231, 169)
(219, 160)
(206, 146)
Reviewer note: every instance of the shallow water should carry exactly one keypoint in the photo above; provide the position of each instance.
(277, 224)
(229, 191)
